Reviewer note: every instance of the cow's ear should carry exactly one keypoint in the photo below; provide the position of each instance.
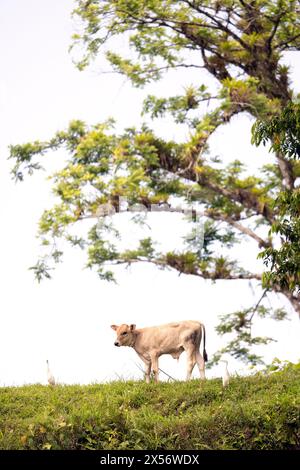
(132, 327)
(114, 327)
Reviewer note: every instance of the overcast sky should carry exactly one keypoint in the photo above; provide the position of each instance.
(67, 319)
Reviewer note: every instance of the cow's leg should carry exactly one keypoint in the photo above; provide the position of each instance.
(154, 365)
(191, 361)
(147, 367)
(148, 371)
(200, 364)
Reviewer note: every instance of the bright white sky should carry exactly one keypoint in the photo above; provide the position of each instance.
(67, 320)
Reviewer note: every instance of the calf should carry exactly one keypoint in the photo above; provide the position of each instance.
(173, 338)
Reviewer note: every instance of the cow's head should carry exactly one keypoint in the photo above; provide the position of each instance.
(125, 334)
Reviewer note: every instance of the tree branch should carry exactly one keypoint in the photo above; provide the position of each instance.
(257, 305)
(283, 44)
(238, 226)
(293, 298)
(271, 37)
(286, 170)
(205, 275)
(242, 196)
(219, 23)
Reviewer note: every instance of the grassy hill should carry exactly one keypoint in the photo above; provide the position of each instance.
(258, 412)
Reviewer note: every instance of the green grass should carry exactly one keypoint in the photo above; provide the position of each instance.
(258, 412)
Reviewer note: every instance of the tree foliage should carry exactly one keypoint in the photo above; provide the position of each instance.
(240, 44)
(283, 132)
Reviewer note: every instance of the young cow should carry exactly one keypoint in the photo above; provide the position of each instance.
(173, 338)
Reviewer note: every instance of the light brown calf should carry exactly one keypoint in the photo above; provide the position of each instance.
(173, 338)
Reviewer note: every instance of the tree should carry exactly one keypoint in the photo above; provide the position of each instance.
(240, 44)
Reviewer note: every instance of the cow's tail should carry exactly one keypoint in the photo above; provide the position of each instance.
(204, 340)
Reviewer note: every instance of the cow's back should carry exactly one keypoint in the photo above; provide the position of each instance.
(167, 338)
